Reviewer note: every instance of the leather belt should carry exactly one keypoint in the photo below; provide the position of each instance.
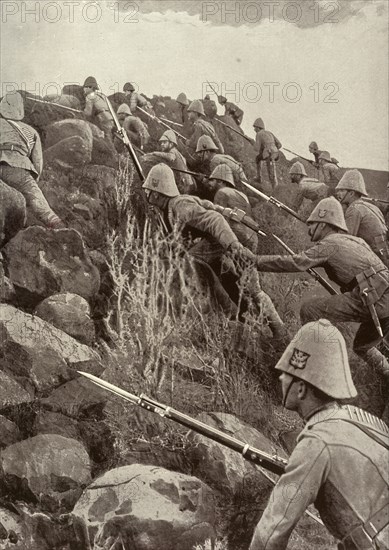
(12, 147)
(362, 537)
(369, 272)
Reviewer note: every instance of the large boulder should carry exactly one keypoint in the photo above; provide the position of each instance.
(42, 262)
(70, 313)
(69, 152)
(12, 212)
(66, 100)
(9, 432)
(222, 467)
(146, 508)
(64, 129)
(12, 393)
(79, 396)
(33, 349)
(49, 469)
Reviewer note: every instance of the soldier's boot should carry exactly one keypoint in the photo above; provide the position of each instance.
(375, 359)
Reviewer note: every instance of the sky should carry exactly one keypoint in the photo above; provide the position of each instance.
(312, 69)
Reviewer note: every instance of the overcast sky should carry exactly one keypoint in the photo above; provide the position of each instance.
(325, 61)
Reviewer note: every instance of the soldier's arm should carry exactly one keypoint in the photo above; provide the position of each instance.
(296, 489)
(36, 155)
(89, 102)
(190, 213)
(353, 218)
(298, 201)
(315, 256)
(192, 141)
(277, 142)
(218, 143)
(169, 157)
(141, 100)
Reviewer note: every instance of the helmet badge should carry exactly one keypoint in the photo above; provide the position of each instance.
(322, 213)
(299, 359)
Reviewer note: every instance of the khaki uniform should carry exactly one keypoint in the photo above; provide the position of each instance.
(311, 189)
(175, 159)
(134, 100)
(136, 128)
(210, 108)
(96, 110)
(331, 174)
(203, 128)
(268, 150)
(366, 221)
(237, 170)
(343, 470)
(21, 164)
(234, 111)
(344, 258)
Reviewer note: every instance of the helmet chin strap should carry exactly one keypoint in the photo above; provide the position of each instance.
(287, 391)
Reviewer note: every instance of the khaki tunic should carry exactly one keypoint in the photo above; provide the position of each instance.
(338, 467)
(331, 174)
(310, 189)
(237, 170)
(204, 128)
(366, 221)
(28, 153)
(267, 145)
(175, 159)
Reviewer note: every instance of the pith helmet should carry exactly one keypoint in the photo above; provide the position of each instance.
(12, 106)
(169, 135)
(205, 143)
(318, 355)
(221, 99)
(181, 98)
(90, 82)
(329, 211)
(128, 87)
(207, 98)
(124, 108)
(313, 145)
(297, 168)
(352, 180)
(324, 155)
(196, 107)
(258, 123)
(224, 173)
(161, 179)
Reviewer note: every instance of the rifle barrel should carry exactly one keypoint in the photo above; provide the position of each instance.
(273, 201)
(154, 117)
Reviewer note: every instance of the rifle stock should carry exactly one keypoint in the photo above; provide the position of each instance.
(271, 463)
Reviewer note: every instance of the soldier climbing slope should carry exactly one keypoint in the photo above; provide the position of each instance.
(172, 156)
(21, 160)
(231, 109)
(134, 100)
(184, 103)
(350, 263)
(340, 461)
(96, 109)
(363, 219)
(308, 188)
(331, 171)
(268, 147)
(136, 129)
(201, 127)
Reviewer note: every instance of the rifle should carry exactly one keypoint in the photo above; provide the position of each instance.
(124, 137)
(304, 158)
(274, 201)
(198, 174)
(234, 130)
(274, 464)
(371, 199)
(28, 98)
(153, 117)
(171, 121)
(239, 215)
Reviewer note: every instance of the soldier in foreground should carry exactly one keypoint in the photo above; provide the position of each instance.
(363, 219)
(21, 159)
(268, 147)
(308, 188)
(96, 109)
(350, 263)
(172, 156)
(340, 461)
(201, 127)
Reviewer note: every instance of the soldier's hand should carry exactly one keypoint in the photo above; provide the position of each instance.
(241, 253)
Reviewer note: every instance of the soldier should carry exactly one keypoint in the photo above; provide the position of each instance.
(268, 147)
(231, 109)
(21, 160)
(340, 461)
(201, 127)
(194, 217)
(363, 219)
(96, 108)
(172, 156)
(221, 182)
(135, 128)
(210, 108)
(330, 170)
(134, 100)
(314, 149)
(183, 101)
(350, 263)
(210, 158)
(308, 188)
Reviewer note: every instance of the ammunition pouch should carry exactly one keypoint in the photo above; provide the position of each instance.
(371, 285)
(13, 147)
(363, 536)
(381, 245)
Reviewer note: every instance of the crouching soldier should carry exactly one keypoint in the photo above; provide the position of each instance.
(308, 188)
(96, 108)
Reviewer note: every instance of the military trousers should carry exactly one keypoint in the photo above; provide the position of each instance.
(271, 169)
(23, 181)
(349, 307)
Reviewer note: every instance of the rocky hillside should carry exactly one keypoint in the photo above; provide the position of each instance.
(80, 469)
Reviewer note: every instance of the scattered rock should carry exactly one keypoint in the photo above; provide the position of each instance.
(30, 347)
(64, 129)
(12, 212)
(70, 313)
(9, 432)
(48, 422)
(12, 393)
(224, 468)
(49, 469)
(69, 152)
(42, 262)
(77, 397)
(149, 508)
(12, 535)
